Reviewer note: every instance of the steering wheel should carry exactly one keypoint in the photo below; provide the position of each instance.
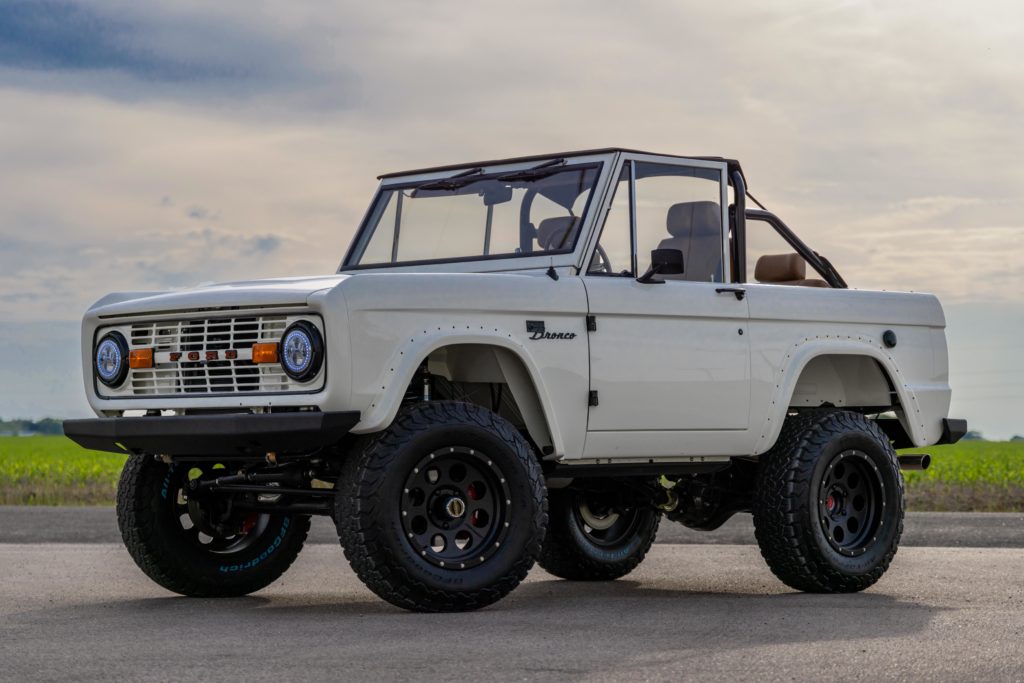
(605, 266)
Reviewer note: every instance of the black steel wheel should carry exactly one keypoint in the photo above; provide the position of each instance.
(851, 500)
(200, 547)
(828, 508)
(596, 535)
(455, 507)
(443, 511)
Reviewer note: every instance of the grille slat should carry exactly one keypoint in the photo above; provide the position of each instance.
(220, 376)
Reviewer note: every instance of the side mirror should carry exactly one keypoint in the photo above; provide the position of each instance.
(663, 262)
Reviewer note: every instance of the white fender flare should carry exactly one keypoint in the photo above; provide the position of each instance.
(808, 348)
(409, 358)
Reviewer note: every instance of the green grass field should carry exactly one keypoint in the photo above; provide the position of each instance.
(976, 476)
(50, 470)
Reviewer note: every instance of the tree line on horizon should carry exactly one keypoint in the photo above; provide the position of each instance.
(46, 426)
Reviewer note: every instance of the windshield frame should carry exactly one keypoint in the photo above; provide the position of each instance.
(491, 262)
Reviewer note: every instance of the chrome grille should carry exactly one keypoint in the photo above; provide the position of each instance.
(184, 362)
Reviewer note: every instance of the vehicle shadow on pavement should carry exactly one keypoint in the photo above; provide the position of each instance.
(757, 614)
(545, 625)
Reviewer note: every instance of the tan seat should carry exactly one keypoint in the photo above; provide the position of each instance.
(556, 234)
(784, 269)
(696, 229)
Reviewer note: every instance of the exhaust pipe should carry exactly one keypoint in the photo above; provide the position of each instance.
(914, 462)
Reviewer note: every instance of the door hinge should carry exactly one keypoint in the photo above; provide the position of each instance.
(593, 398)
(591, 323)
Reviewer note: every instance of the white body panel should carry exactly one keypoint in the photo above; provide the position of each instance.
(666, 358)
(682, 371)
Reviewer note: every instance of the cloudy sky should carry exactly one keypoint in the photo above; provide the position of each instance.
(160, 145)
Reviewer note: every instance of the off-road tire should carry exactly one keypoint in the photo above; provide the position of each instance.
(370, 494)
(154, 538)
(787, 510)
(569, 553)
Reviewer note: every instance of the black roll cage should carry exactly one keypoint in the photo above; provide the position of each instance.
(738, 215)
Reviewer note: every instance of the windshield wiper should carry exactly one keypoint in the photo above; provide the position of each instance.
(452, 182)
(536, 173)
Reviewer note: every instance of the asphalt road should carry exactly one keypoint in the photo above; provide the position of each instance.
(931, 529)
(712, 611)
(690, 612)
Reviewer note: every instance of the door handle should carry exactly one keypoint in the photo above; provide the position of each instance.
(738, 291)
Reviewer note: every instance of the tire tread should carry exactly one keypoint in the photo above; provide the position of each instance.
(781, 504)
(370, 556)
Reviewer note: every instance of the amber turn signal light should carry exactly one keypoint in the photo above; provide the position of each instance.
(264, 353)
(140, 358)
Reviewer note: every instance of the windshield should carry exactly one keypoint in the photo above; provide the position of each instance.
(472, 215)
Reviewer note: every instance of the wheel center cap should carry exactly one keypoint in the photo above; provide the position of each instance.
(455, 507)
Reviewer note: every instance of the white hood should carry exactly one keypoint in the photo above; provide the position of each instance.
(250, 293)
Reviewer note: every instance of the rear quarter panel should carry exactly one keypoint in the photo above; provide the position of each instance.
(789, 326)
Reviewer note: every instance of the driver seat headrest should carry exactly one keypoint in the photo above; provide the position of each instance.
(554, 234)
(695, 219)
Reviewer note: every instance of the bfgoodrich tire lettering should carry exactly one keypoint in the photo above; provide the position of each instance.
(389, 555)
(150, 513)
(792, 512)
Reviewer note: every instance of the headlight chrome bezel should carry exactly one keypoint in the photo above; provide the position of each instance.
(112, 342)
(306, 334)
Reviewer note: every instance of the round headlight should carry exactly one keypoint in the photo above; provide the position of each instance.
(112, 359)
(302, 351)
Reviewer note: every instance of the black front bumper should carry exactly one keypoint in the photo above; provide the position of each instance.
(226, 435)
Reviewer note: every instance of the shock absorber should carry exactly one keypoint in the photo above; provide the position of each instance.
(427, 385)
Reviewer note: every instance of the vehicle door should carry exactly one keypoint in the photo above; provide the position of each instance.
(669, 362)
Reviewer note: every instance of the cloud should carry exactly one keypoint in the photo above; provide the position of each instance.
(156, 145)
(201, 53)
(265, 244)
(55, 34)
(197, 213)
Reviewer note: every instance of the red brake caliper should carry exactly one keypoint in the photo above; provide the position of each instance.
(249, 523)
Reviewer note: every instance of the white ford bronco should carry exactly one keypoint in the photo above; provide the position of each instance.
(520, 360)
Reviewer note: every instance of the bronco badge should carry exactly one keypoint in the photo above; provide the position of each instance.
(536, 330)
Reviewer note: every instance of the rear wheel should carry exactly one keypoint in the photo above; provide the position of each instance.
(200, 548)
(828, 511)
(443, 511)
(596, 535)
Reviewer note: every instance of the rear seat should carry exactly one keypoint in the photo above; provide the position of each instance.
(784, 269)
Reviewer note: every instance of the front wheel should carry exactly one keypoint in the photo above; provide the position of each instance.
(596, 535)
(200, 548)
(828, 511)
(444, 511)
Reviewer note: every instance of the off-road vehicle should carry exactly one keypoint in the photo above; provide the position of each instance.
(520, 360)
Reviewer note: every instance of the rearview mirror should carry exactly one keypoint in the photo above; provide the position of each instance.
(663, 262)
(496, 194)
